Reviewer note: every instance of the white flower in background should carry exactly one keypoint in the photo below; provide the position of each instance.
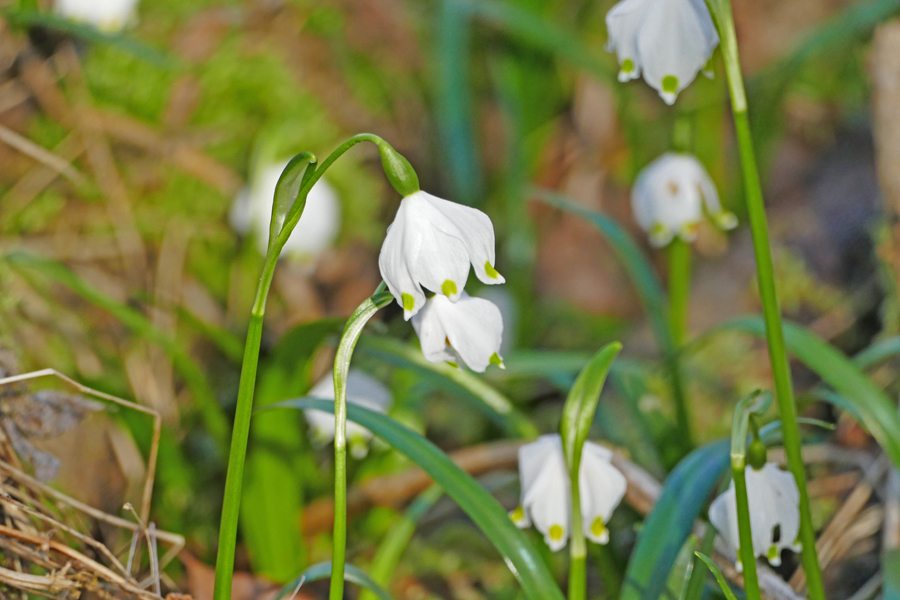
(431, 244)
(362, 390)
(109, 16)
(774, 505)
(468, 330)
(668, 199)
(318, 226)
(546, 490)
(668, 41)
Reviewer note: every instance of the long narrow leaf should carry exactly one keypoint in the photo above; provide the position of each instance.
(482, 508)
(669, 524)
(874, 408)
(726, 589)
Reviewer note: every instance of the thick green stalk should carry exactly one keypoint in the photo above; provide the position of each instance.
(721, 11)
(679, 289)
(577, 547)
(747, 557)
(231, 503)
(351, 334)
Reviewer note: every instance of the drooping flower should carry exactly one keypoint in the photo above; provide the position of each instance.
(318, 226)
(469, 330)
(668, 41)
(670, 197)
(546, 490)
(109, 16)
(362, 390)
(774, 513)
(431, 244)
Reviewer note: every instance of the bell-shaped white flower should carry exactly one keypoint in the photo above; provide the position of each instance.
(431, 244)
(318, 226)
(469, 330)
(109, 16)
(670, 197)
(668, 41)
(774, 513)
(362, 390)
(546, 490)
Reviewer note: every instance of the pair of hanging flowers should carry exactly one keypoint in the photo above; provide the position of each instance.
(430, 246)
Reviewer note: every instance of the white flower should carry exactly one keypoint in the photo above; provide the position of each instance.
(546, 490)
(106, 15)
(362, 390)
(669, 195)
(774, 513)
(431, 244)
(669, 41)
(469, 329)
(318, 226)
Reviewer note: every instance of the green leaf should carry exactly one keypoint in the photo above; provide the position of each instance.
(489, 400)
(871, 405)
(670, 522)
(30, 18)
(890, 569)
(581, 404)
(323, 571)
(287, 193)
(482, 508)
(726, 589)
(212, 414)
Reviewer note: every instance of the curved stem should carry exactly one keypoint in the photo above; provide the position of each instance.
(721, 11)
(751, 583)
(351, 334)
(231, 502)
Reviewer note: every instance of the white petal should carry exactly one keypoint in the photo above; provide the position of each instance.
(602, 489)
(623, 23)
(437, 256)
(545, 489)
(432, 335)
(393, 264)
(477, 233)
(473, 326)
(107, 15)
(723, 516)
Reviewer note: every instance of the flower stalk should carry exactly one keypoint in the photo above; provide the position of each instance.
(721, 12)
(350, 337)
(293, 187)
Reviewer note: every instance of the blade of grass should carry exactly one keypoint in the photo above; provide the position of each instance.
(323, 571)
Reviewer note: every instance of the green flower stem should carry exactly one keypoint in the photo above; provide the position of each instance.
(679, 290)
(577, 548)
(231, 503)
(721, 11)
(751, 583)
(351, 334)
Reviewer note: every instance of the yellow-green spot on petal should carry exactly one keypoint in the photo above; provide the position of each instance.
(670, 84)
(408, 302)
(598, 527)
(556, 532)
(495, 359)
(518, 515)
(627, 65)
(773, 553)
(449, 288)
(453, 364)
(490, 270)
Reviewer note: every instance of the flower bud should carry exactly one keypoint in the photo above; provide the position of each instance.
(756, 454)
(398, 170)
